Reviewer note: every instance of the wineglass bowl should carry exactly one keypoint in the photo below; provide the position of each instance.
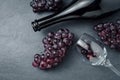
(94, 52)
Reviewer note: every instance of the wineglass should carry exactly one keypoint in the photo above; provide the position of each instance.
(94, 52)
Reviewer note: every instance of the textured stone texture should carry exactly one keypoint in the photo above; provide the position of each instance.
(19, 43)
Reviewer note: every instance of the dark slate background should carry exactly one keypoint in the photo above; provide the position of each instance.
(19, 43)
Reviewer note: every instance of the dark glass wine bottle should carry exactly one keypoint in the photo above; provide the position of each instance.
(72, 11)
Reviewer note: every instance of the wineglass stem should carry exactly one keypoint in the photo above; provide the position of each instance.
(108, 64)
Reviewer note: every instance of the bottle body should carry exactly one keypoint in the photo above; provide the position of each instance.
(74, 10)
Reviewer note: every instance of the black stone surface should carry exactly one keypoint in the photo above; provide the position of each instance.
(19, 43)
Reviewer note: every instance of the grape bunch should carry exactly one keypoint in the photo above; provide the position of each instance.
(55, 45)
(45, 5)
(88, 53)
(109, 33)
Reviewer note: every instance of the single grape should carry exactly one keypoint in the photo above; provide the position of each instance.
(43, 65)
(70, 36)
(66, 41)
(58, 36)
(34, 64)
(49, 61)
(51, 34)
(61, 44)
(64, 35)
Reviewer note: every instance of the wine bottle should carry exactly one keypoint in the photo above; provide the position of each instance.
(72, 11)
